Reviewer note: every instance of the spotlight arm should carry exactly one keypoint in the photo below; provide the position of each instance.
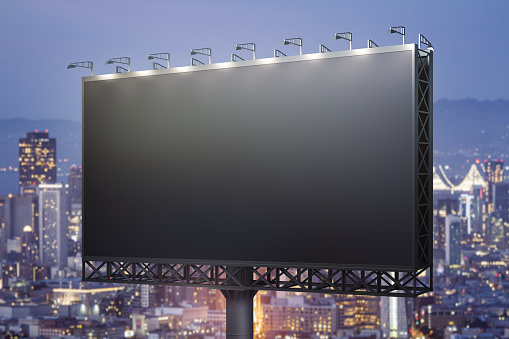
(235, 57)
(278, 53)
(202, 51)
(122, 60)
(323, 49)
(372, 44)
(345, 35)
(399, 30)
(196, 62)
(160, 56)
(248, 47)
(294, 41)
(83, 64)
(424, 41)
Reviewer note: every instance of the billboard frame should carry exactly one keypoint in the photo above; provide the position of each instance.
(304, 277)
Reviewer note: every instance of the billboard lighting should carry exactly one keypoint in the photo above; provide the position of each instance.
(202, 51)
(235, 57)
(161, 56)
(371, 44)
(324, 49)
(248, 47)
(278, 53)
(345, 35)
(294, 41)
(83, 64)
(399, 30)
(122, 60)
(424, 41)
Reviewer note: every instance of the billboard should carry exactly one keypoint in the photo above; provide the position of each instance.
(302, 161)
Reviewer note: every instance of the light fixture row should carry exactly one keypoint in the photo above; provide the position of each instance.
(245, 46)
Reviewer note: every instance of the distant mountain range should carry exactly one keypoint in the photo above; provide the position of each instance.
(463, 129)
(462, 126)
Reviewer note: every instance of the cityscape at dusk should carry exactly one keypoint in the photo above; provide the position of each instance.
(42, 294)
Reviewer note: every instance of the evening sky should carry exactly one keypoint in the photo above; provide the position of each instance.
(38, 39)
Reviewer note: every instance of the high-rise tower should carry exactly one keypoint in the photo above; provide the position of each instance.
(453, 240)
(501, 197)
(52, 225)
(494, 174)
(444, 207)
(395, 315)
(75, 184)
(37, 159)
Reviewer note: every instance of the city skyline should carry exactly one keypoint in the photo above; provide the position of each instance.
(470, 285)
(41, 40)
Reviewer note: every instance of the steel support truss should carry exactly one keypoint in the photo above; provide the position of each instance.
(424, 157)
(335, 281)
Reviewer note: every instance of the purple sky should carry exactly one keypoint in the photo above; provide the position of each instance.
(38, 39)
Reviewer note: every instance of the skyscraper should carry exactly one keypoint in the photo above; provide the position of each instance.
(358, 312)
(443, 209)
(4, 205)
(501, 197)
(37, 159)
(453, 240)
(394, 316)
(494, 174)
(479, 209)
(52, 225)
(22, 213)
(75, 188)
(498, 234)
(28, 245)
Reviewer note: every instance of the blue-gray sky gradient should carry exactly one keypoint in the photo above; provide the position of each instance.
(38, 39)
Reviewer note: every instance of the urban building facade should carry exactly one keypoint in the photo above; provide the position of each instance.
(37, 159)
(52, 225)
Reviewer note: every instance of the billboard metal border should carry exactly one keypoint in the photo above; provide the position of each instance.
(383, 282)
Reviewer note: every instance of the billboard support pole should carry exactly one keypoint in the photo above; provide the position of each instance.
(239, 306)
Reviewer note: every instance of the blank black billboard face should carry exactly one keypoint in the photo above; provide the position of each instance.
(308, 161)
